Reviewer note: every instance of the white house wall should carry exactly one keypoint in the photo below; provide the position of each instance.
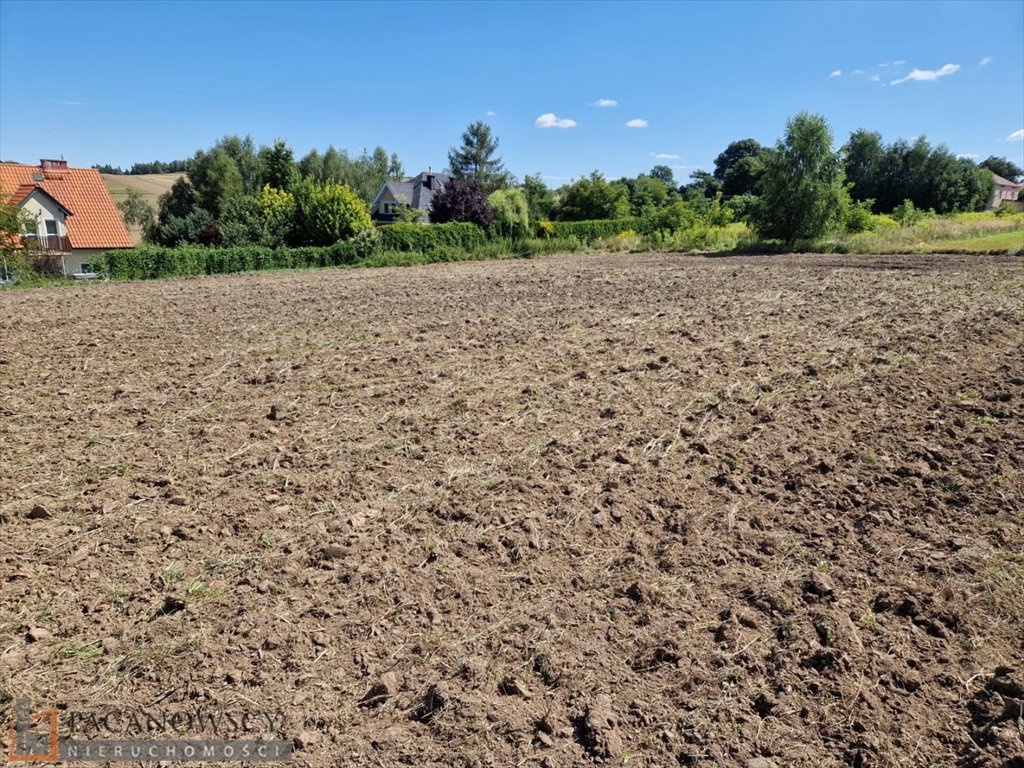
(41, 208)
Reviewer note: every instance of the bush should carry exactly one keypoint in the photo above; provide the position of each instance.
(907, 215)
(718, 214)
(667, 220)
(461, 200)
(857, 217)
(545, 229)
(586, 231)
(328, 212)
(742, 206)
(1006, 208)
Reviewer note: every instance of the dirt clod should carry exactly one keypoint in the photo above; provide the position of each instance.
(38, 635)
(598, 731)
(512, 686)
(334, 552)
(38, 512)
(381, 691)
(307, 740)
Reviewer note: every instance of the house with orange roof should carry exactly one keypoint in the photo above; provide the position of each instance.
(75, 218)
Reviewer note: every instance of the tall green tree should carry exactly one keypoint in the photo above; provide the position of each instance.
(592, 197)
(735, 152)
(216, 179)
(647, 194)
(932, 178)
(475, 158)
(178, 201)
(277, 165)
(1003, 167)
(743, 175)
(663, 173)
(865, 164)
(539, 197)
(246, 158)
(365, 174)
(802, 189)
(702, 186)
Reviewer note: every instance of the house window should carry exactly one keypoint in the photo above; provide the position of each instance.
(84, 268)
(51, 227)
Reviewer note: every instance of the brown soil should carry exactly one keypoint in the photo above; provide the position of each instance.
(655, 509)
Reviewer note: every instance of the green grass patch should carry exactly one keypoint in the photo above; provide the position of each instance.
(1001, 242)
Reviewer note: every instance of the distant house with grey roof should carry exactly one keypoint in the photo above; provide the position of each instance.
(416, 193)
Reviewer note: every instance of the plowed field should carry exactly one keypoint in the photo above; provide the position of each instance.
(649, 509)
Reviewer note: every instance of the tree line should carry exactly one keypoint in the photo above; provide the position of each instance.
(138, 169)
(236, 193)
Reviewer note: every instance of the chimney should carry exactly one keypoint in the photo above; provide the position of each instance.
(54, 169)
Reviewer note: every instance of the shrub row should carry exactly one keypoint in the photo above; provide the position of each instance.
(418, 237)
(586, 231)
(147, 262)
(437, 242)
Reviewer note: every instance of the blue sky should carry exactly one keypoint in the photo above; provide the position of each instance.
(123, 82)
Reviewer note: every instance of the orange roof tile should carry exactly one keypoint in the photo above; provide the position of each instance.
(94, 221)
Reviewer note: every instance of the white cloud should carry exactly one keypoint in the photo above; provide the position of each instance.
(667, 156)
(1016, 135)
(968, 155)
(550, 120)
(875, 78)
(836, 73)
(857, 72)
(491, 113)
(636, 122)
(604, 103)
(898, 63)
(928, 75)
(984, 61)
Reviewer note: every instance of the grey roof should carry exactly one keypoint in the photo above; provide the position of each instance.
(416, 191)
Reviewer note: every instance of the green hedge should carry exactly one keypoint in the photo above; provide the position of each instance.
(148, 261)
(424, 238)
(588, 231)
(435, 242)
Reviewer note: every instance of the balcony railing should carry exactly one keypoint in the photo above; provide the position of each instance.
(48, 243)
